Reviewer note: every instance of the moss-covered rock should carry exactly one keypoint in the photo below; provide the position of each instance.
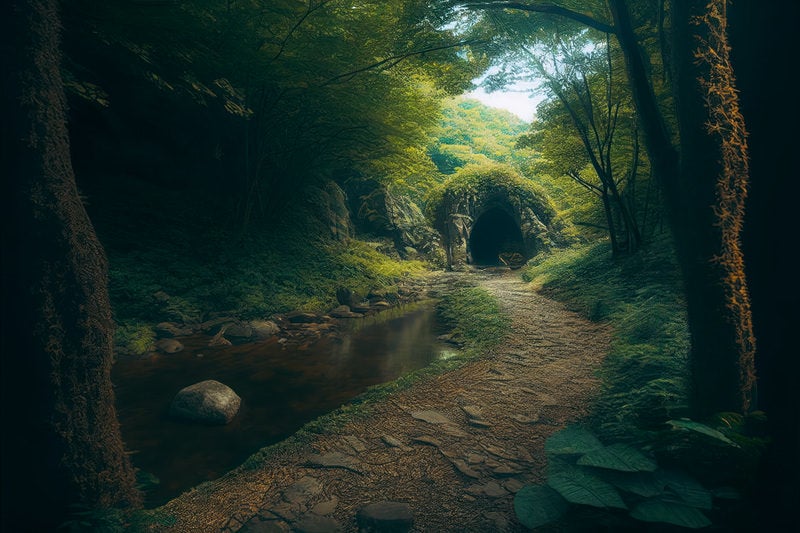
(379, 212)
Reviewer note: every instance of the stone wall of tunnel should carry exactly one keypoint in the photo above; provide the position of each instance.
(477, 232)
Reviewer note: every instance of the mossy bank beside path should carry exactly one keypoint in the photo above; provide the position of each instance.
(453, 448)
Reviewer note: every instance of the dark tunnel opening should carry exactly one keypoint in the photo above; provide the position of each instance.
(494, 232)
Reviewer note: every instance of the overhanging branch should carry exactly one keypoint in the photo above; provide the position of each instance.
(392, 61)
(546, 8)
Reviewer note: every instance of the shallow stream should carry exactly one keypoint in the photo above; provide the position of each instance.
(282, 388)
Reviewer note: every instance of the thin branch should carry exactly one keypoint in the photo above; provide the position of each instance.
(309, 11)
(589, 185)
(391, 61)
(546, 8)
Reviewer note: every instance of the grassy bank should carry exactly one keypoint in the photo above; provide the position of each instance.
(638, 452)
(645, 374)
(247, 279)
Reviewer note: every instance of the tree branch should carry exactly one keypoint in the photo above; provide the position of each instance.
(391, 61)
(548, 9)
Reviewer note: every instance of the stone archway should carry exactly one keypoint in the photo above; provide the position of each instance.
(494, 232)
(484, 211)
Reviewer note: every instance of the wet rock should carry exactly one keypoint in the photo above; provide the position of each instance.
(360, 308)
(494, 490)
(219, 340)
(171, 329)
(380, 304)
(392, 442)
(513, 485)
(498, 452)
(386, 516)
(345, 296)
(427, 439)
(209, 401)
(475, 459)
(453, 430)
(522, 419)
(264, 329)
(240, 331)
(509, 469)
(344, 311)
(523, 454)
(301, 317)
(169, 346)
(313, 523)
(213, 325)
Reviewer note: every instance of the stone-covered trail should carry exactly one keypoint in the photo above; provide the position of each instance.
(452, 449)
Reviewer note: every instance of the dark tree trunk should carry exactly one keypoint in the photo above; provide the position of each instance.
(763, 44)
(62, 444)
(704, 191)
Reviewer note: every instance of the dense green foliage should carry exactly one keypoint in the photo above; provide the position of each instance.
(269, 108)
(472, 133)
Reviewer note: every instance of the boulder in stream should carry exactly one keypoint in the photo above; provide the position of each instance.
(208, 401)
(264, 329)
(169, 346)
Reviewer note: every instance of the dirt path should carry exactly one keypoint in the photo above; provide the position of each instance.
(454, 448)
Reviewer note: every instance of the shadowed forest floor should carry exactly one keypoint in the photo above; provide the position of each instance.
(454, 447)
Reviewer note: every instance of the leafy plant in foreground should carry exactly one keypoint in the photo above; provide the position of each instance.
(621, 480)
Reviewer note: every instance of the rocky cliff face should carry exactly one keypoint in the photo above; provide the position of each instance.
(379, 212)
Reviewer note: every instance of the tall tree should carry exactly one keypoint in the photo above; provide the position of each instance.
(62, 446)
(579, 72)
(703, 178)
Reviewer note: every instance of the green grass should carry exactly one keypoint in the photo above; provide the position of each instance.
(474, 316)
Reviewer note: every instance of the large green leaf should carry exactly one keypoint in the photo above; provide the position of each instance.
(688, 489)
(644, 484)
(571, 440)
(685, 424)
(577, 485)
(670, 513)
(619, 457)
(537, 505)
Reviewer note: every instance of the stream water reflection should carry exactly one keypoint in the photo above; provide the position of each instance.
(281, 388)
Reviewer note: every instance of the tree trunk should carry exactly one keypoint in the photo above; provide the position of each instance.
(704, 191)
(62, 446)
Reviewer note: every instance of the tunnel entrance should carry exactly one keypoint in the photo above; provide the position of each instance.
(494, 232)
